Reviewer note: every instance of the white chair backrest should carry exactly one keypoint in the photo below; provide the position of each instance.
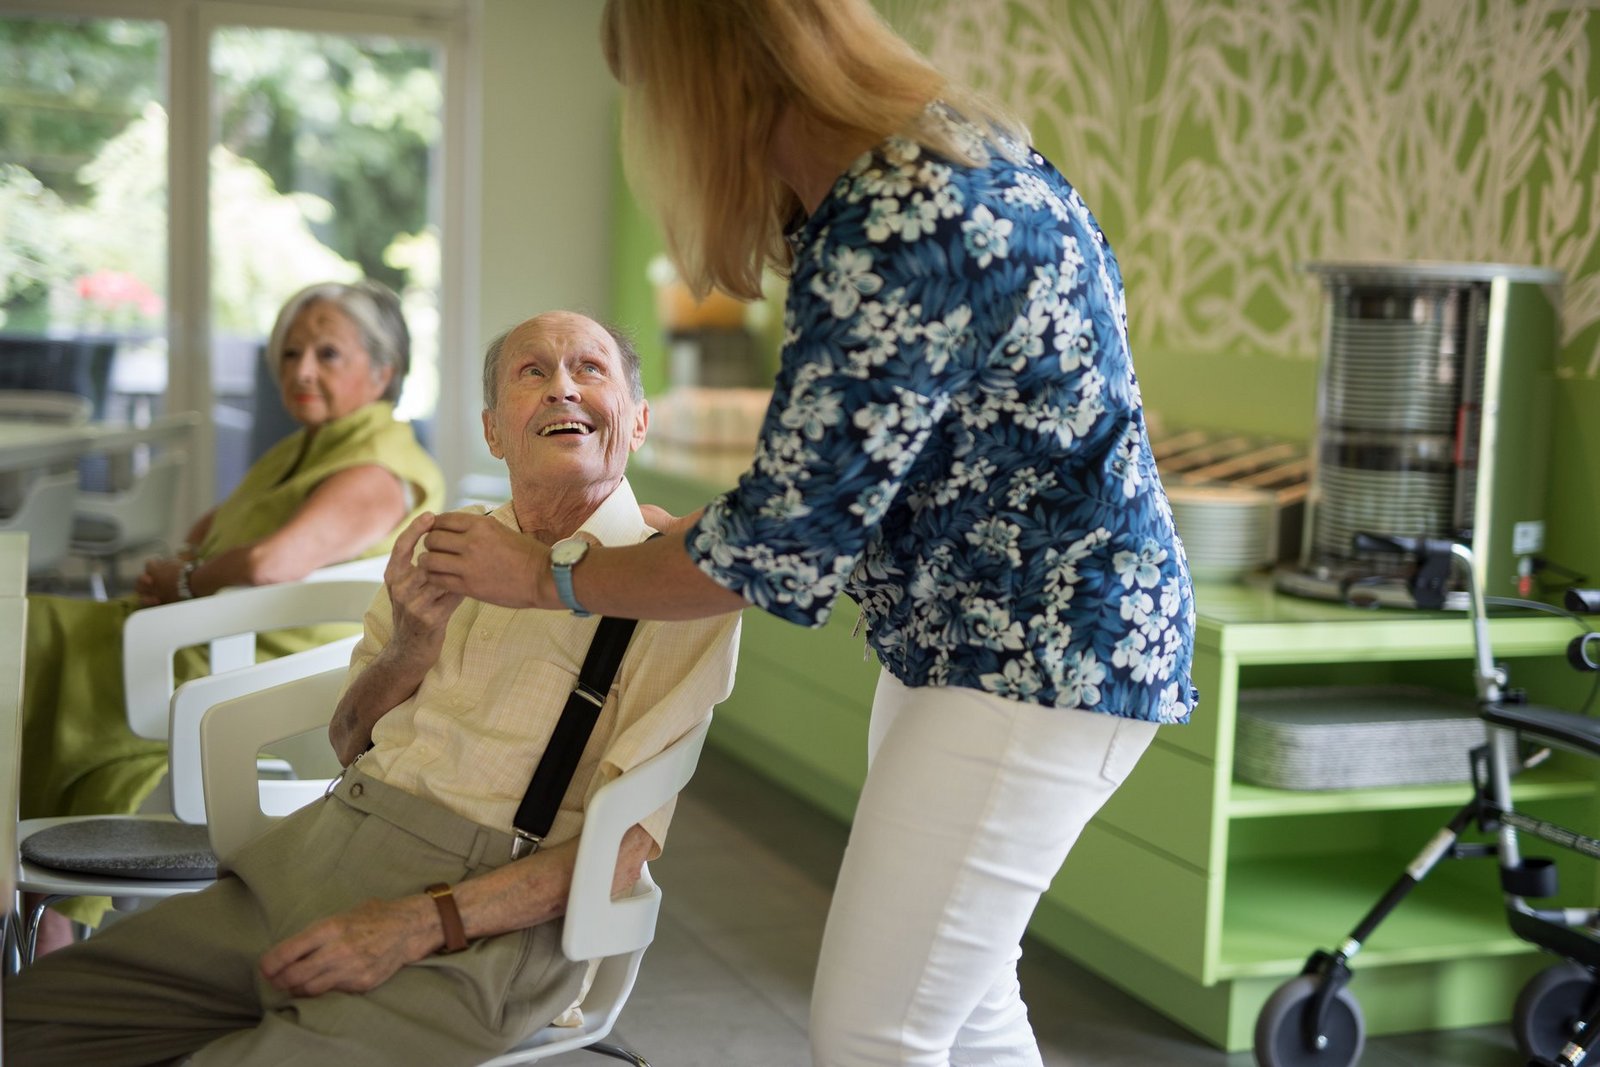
(198, 696)
(228, 622)
(44, 405)
(233, 732)
(595, 925)
(45, 515)
(143, 512)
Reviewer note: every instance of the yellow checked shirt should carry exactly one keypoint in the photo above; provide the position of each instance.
(469, 738)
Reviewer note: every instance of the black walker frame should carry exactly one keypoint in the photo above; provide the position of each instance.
(1313, 1020)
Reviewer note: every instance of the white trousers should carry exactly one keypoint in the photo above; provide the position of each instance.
(970, 806)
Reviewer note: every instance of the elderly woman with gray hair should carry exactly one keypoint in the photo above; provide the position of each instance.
(339, 488)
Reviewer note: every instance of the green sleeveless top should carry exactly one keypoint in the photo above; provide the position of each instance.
(277, 484)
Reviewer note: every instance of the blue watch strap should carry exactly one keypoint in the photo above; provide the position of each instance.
(563, 576)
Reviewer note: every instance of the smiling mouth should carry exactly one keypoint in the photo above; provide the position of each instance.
(576, 428)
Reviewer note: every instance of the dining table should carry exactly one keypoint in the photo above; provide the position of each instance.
(26, 445)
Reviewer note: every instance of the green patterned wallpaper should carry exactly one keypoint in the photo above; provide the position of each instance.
(1223, 142)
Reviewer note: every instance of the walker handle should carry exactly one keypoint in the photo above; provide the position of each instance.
(1427, 584)
(1585, 601)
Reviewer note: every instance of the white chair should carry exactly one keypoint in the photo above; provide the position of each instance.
(139, 851)
(45, 515)
(370, 569)
(130, 480)
(596, 927)
(228, 622)
(108, 525)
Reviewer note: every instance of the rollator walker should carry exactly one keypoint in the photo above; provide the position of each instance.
(1314, 1021)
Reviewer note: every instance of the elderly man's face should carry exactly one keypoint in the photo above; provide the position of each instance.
(565, 414)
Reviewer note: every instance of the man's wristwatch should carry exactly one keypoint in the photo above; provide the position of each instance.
(564, 555)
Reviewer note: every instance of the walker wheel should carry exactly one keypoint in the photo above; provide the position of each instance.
(1549, 1009)
(1280, 1042)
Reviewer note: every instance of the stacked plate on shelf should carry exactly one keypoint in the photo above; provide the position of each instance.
(1228, 531)
(1388, 375)
(1408, 503)
(1353, 737)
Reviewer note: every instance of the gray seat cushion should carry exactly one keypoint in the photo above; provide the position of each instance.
(125, 848)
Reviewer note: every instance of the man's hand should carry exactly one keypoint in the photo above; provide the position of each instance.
(421, 613)
(478, 556)
(159, 582)
(422, 608)
(356, 950)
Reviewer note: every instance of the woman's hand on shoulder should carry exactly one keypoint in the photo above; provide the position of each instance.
(663, 521)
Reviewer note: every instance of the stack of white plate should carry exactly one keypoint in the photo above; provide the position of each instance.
(1408, 503)
(1228, 531)
(1390, 376)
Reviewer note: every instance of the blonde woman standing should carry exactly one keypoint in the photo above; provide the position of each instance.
(955, 441)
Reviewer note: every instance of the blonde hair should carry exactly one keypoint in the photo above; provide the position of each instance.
(704, 84)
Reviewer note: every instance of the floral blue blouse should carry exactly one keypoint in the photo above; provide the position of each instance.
(956, 441)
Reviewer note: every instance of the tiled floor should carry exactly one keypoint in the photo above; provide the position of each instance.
(746, 878)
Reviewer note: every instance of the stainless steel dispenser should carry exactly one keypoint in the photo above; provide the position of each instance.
(1432, 421)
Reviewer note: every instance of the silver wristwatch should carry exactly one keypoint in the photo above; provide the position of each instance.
(564, 555)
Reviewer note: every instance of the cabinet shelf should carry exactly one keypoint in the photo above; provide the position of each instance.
(1541, 783)
(1277, 911)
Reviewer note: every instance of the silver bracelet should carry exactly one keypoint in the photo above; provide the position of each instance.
(184, 592)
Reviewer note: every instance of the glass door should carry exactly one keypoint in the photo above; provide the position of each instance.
(322, 167)
(83, 210)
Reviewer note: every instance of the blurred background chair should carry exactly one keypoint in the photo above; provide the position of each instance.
(26, 506)
(130, 483)
(106, 526)
(45, 513)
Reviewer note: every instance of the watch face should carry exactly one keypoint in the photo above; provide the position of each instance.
(568, 551)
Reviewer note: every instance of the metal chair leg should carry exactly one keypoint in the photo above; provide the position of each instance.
(617, 1052)
(30, 932)
(11, 942)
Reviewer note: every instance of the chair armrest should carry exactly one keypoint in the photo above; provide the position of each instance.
(194, 698)
(370, 569)
(595, 924)
(231, 733)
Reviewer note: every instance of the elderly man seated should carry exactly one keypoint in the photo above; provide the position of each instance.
(332, 938)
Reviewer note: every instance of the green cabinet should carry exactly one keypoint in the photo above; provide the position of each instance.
(1197, 894)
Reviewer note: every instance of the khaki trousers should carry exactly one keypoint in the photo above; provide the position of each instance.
(181, 979)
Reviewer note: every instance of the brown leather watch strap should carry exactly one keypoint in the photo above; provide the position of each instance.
(455, 934)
